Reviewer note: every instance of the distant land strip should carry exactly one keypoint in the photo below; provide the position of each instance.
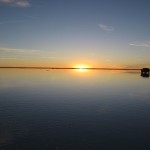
(67, 68)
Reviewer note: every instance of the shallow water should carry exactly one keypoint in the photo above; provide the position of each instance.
(74, 110)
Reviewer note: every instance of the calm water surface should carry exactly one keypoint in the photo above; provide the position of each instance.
(74, 110)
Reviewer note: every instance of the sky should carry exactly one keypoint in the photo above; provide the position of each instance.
(63, 33)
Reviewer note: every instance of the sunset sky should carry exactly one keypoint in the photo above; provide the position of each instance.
(63, 33)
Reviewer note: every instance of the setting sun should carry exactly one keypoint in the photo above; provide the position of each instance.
(80, 66)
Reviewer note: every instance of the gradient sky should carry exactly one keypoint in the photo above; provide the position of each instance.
(99, 33)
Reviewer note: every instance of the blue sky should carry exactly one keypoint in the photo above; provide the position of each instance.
(112, 33)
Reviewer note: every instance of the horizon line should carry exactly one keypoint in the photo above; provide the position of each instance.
(90, 68)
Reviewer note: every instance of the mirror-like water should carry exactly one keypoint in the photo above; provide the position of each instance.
(74, 110)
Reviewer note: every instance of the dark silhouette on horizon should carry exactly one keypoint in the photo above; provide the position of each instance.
(145, 72)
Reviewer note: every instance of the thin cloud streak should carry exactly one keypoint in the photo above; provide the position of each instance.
(28, 53)
(49, 57)
(18, 50)
(5, 58)
(106, 28)
(17, 3)
(141, 44)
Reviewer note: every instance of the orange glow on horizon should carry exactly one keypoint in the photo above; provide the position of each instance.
(81, 68)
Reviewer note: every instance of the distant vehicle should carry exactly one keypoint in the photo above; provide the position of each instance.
(145, 72)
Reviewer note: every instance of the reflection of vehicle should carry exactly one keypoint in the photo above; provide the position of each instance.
(145, 72)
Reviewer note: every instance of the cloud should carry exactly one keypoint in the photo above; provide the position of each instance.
(46, 57)
(17, 3)
(106, 28)
(13, 52)
(141, 44)
(8, 50)
(5, 58)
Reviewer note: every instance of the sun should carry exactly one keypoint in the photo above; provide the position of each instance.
(80, 66)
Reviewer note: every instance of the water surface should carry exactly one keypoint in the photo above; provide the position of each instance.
(74, 110)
